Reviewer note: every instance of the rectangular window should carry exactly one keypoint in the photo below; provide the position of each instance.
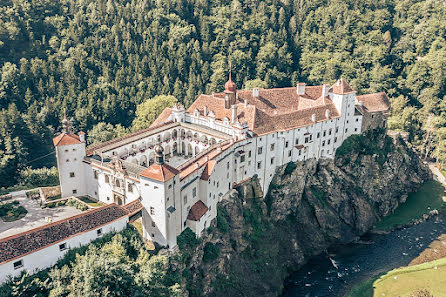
(306, 139)
(71, 174)
(337, 129)
(329, 132)
(325, 133)
(272, 160)
(227, 165)
(357, 120)
(297, 141)
(99, 232)
(95, 173)
(318, 135)
(153, 224)
(328, 142)
(194, 192)
(346, 130)
(259, 150)
(185, 199)
(323, 142)
(74, 191)
(356, 129)
(152, 210)
(107, 179)
(242, 158)
(289, 153)
(300, 152)
(63, 246)
(18, 264)
(272, 147)
(335, 139)
(249, 154)
(259, 165)
(286, 144)
(311, 137)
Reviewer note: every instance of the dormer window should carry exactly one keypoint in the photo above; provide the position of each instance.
(196, 113)
(226, 121)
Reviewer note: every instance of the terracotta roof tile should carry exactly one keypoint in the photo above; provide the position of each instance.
(133, 207)
(21, 244)
(197, 211)
(341, 87)
(163, 117)
(272, 110)
(66, 139)
(207, 171)
(374, 102)
(159, 172)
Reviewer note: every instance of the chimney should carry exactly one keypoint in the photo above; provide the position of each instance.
(82, 136)
(206, 158)
(313, 118)
(205, 110)
(197, 165)
(324, 91)
(300, 88)
(234, 113)
(255, 92)
(327, 113)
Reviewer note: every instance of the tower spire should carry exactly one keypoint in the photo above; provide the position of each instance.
(66, 125)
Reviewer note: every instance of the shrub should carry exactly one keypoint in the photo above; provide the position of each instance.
(211, 252)
(290, 166)
(187, 239)
(40, 177)
(222, 223)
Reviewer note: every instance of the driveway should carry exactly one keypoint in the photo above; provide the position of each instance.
(35, 217)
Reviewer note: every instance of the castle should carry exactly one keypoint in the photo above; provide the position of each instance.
(189, 160)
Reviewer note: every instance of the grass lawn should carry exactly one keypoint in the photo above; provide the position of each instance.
(91, 202)
(429, 197)
(406, 281)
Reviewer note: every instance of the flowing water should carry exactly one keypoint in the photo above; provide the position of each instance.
(333, 274)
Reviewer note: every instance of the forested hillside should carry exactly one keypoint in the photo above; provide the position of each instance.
(99, 59)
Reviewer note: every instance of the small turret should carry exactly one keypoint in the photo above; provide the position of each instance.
(230, 91)
(159, 154)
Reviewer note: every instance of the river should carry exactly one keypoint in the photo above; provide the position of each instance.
(334, 276)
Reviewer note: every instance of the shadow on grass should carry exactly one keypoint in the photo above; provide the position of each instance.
(427, 198)
(364, 289)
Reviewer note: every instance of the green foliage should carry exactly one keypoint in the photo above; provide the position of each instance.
(149, 110)
(187, 239)
(373, 142)
(101, 59)
(12, 211)
(114, 265)
(77, 204)
(41, 177)
(290, 167)
(102, 132)
(222, 222)
(210, 252)
(319, 194)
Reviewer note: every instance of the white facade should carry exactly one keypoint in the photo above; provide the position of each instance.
(235, 154)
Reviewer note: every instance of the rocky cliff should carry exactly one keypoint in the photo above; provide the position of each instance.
(255, 242)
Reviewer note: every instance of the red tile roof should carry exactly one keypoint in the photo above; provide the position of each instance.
(159, 172)
(197, 211)
(24, 243)
(163, 117)
(374, 102)
(273, 109)
(133, 207)
(66, 139)
(207, 171)
(341, 87)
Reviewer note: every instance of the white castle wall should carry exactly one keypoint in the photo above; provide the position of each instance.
(69, 160)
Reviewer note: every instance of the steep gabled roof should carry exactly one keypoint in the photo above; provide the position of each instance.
(207, 171)
(163, 117)
(160, 172)
(197, 211)
(374, 102)
(341, 87)
(66, 139)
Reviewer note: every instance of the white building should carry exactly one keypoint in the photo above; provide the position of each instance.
(188, 160)
(42, 247)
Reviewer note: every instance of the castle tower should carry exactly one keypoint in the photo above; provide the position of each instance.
(230, 91)
(70, 152)
(160, 197)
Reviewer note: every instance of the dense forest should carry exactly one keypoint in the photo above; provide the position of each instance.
(100, 59)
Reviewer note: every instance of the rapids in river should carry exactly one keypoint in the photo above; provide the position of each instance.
(337, 271)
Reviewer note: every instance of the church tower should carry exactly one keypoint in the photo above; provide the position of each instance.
(70, 152)
(230, 92)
